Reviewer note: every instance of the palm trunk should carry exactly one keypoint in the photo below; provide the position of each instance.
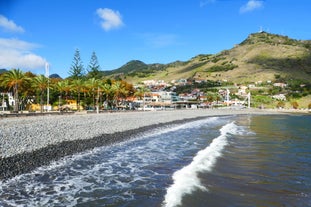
(41, 102)
(16, 98)
(94, 100)
(66, 99)
(78, 102)
(84, 98)
(59, 101)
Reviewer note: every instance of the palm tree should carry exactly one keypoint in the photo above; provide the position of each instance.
(13, 79)
(41, 83)
(141, 93)
(85, 90)
(94, 85)
(60, 87)
(77, 86)
(66, 88)
(106, 88)
(63, 86)
(119, 90)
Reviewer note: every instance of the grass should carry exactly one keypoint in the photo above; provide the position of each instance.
(258, 58)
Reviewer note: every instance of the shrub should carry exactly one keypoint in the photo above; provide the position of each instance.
(226, 67)
(295, 104)
(280, 104)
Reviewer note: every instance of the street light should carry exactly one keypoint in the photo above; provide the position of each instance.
(48, 90)
(97, 100)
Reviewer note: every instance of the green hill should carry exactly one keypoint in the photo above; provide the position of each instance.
(135, 68)
(260, 57)
(55, 76)
(3, 70)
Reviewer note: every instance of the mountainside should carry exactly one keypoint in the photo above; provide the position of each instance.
(55, 76)
(260, 57)
(3, 70)
(136, 68)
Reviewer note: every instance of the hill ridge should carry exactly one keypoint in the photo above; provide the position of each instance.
(259, 57)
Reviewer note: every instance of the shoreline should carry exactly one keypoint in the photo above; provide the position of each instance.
(29, 161)
(28, 143)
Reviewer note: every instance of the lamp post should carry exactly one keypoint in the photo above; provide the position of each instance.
(48, 88)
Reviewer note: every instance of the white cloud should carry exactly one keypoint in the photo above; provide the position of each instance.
(205, 2)
(9, 25)
(110, 19)
(251, 5)
(16, 53)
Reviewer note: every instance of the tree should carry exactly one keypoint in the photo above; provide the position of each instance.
(94, 88)
(211, 97)
(106, 88)
(26, 92)
(63, 86)
(41, 83)
(13, 79)
(94, 68)
(280, 104)
(77, 86)
(141, 93)
(261, 100)
(117, 89)
(77, 69)
(295, 104)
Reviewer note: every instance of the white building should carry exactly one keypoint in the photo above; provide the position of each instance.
(242, 91)
(187, 97)
(157, 100)
(282, 85)
(280, 97)
(10, 100)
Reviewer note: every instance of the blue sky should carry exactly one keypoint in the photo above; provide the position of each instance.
(34, 32)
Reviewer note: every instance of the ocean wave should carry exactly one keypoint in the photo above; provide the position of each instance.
(186, 179)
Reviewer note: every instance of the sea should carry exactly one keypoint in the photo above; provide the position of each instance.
(227, 161)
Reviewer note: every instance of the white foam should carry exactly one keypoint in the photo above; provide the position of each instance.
(186, 180)
(173, 128)
(122, 168)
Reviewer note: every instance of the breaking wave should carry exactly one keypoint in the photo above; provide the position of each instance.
(186, 179)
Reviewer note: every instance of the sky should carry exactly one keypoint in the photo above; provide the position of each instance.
(34, 33)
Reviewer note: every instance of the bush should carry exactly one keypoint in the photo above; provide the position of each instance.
(217, 68)
(295, 104)
(280, 104)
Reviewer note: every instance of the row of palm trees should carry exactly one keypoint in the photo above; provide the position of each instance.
(26, 87)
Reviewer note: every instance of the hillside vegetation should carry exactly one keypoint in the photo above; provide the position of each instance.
(260, 57)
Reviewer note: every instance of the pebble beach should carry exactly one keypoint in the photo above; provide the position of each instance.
(30, 142)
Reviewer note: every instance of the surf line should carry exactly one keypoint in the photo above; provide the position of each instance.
(186, 179)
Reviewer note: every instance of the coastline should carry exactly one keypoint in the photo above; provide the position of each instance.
(30, 142)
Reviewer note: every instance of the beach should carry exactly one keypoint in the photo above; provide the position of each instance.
(218, 157)
(30, 142)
